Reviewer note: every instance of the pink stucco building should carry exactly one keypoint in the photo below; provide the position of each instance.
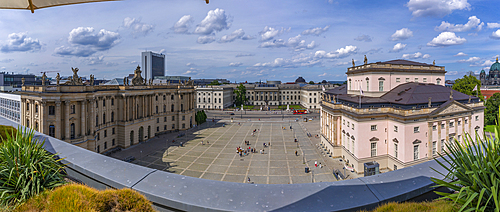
(404, 116)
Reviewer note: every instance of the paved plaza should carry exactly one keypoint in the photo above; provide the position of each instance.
(216, 157)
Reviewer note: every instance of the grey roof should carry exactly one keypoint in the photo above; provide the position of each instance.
(405, 94)
(115, 81)
(404, 62)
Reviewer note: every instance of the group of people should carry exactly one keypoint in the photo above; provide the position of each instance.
(245, 151)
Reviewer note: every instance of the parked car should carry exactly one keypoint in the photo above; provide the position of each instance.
(129, 159)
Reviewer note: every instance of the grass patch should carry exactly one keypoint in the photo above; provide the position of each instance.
(434, 206)
(4, 130)
(489, 128)
(291, 107)
(77, 197)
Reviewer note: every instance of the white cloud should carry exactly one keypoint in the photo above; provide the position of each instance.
(436, 8)
(322, 75)
(446, 39)
(136, 26)
(183, 24)
(295, 43)
(84, 42)
(301, 60)
(190, 64)
(365, 38)
(79, 51)
(6, 60)
(205, 39)
(343, 63)
(215, 21)
(339, 53)
(20, 42)
(398, 47)
(470, 60)
(269, 33)
(315, 31)
(247, 37)
(473, 22)
(495, 35)
(233, 36)
(451, 73)
(416, 56)
(235, 64)
(493, 25)
(461, 54)
(402, 34)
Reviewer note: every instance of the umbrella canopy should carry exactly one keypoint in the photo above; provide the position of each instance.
(39, 4)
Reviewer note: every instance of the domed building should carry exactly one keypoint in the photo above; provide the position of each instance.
(493, 77)
(300, 80)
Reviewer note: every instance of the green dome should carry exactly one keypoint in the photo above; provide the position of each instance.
(495, 66)
(483, 72)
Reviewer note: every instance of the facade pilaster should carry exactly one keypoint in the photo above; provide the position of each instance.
(58, 120)
(42, 117)
(429, 140)
(447, 135)
(83, 118)
(66, 120)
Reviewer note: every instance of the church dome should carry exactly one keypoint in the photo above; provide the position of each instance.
(483, 72)
(300, 80)
(495, 66)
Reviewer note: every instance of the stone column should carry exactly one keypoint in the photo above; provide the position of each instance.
(92, 116)
(58, 120)
(66, 120)
(83, 118)
(439, 146)
(456, 128)
(42, 118)
(463, 128)
(472, 133)
(429, 141)
(447, 136)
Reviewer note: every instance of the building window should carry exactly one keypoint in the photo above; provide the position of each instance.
(344, 121)
(395, 128)
(442, 126)
(172, 97)
(458, 138)
(165, 119)
(157, 129)
(425, 79)
(183, 126)
(164, 108)
(164, 127)
(96, 121)
(352, 126)
(112, 101)
(72, 130)
(373, 147)
(52, 110)
(156, 98)
(104, 118)
(434, 127)
(465, 121)
(52, 131)
(36, 108)
(113, 142)
(182, 96)
(164, 97)
(442, 145)
(434, 147)
(182, 107)
(451, 124)
(350, 85)
(407, 80)
(380, 85)
(172, 108)
(104, 102)
(416, 129)
(157, 120)
(98, 149)
(477, 118)
(173, 118)
(367, 85)
(27, 106)
(112, 116)
(416, 79)
(156, 109)
(373, 127)
(438, 81)
(398, 79)
(348, 124)
(415, 152)
(173, 126)
(105, 133)
(183, 118)
(395, 150)
(113, 131)
(459, 123)
(395, 167)
(105, 145)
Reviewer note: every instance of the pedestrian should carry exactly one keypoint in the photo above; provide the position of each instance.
(269, 144)
(316, 163)
(296, 153)
(248, 179)
(320, 166)
(202, 142)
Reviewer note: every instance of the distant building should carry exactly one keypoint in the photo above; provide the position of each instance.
(214, 96)
(13, 82)
(103, 117)
(153, 65)
(493, 76)
(403, 116)
(208, 81)
(10, 106)
(300, 80)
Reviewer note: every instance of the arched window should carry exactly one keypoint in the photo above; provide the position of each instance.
(103, 118)
(72, 130)
(367, 84)
(350, 85)
(172, 108)
(182, 107)
(52, 131)
(131, 138)
(112, 116)
(199, 99)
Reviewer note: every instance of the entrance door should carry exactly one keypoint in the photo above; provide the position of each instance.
(141, 134)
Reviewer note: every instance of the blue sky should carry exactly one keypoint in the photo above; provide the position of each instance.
(250, 40)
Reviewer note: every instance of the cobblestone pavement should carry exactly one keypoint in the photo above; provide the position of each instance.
(216, 157)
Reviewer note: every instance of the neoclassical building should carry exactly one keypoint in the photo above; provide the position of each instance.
(396, 122)
(493, 76)
(103, 117)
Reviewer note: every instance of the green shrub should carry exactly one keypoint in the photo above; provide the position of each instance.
(473, 172)
(77, 197)
(4, 130)
(434, 206)
(26, 169)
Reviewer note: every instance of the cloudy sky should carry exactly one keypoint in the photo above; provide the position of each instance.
(250, 40)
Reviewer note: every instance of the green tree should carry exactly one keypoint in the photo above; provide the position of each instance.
(215, 82)
(466, 85)
(311, 82)
(491, 111)
(240, 92)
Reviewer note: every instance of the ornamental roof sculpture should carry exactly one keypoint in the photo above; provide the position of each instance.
(75, 80)
(137, 80)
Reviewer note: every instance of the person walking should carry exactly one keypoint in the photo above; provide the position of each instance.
(296, 153)
(316, 163)
(248, 179)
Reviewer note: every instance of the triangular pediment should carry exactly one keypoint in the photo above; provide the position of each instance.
(451, 108)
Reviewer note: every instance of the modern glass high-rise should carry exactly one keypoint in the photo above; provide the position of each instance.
(153, 64)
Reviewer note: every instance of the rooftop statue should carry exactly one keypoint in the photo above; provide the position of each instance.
(366, 60)
(353, 64)
(91, 79)
(44, 78)
(434, 62)
(58, 78)
(137, 80)
(75, 80)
